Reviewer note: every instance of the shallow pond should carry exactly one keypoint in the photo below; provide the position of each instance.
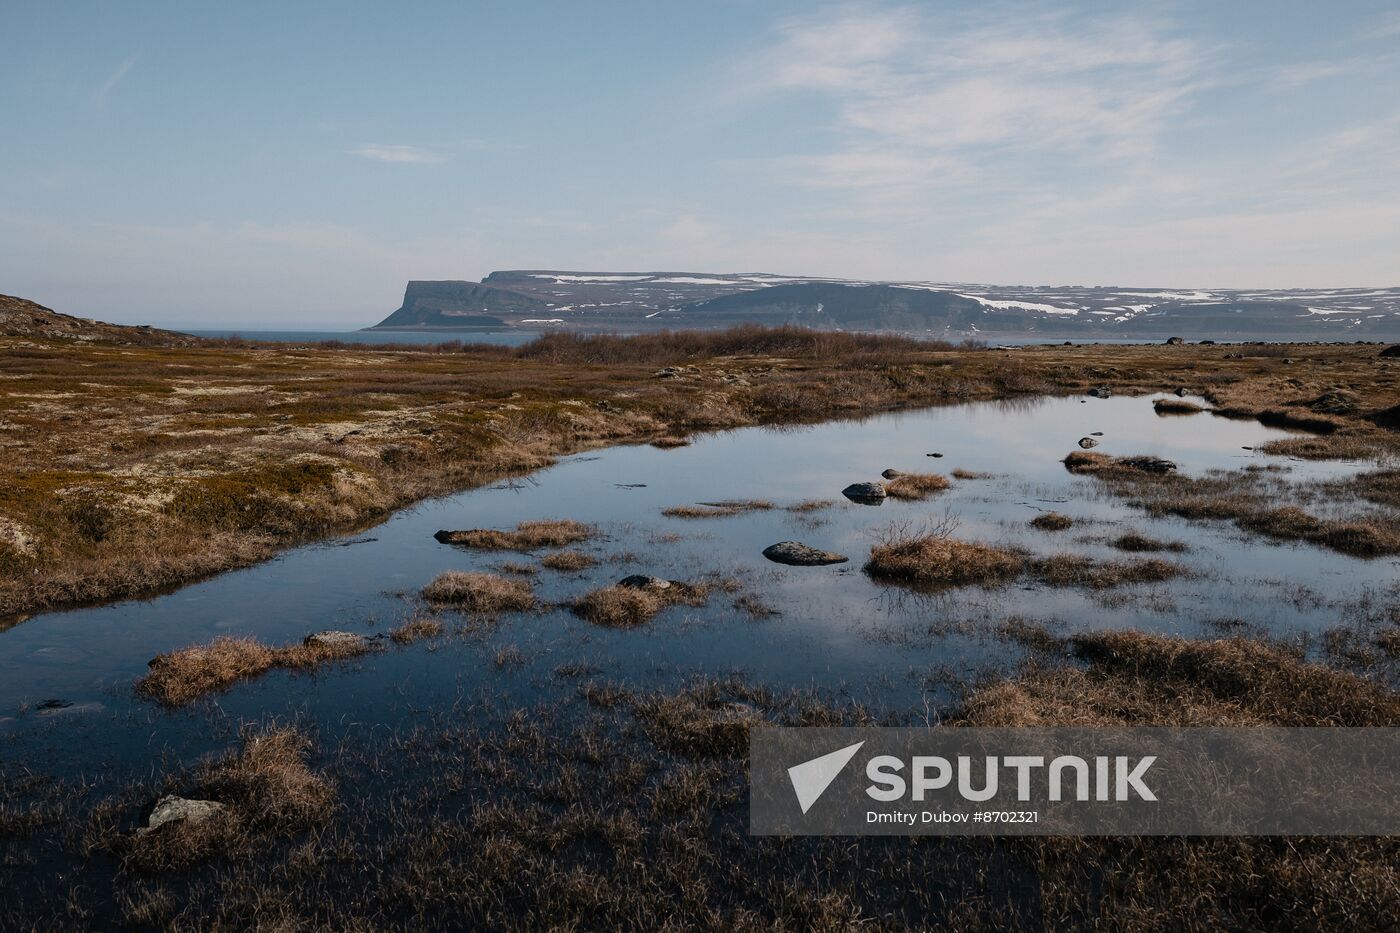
(834, 627)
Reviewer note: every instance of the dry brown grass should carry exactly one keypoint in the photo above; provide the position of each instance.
(1141, 679)
(1072, 570)
(1052, 521)
(178, 677)
(936, 561)
(810, 505)
(480, 592)
(416, 630)
(1138, 543)
(163, 464)
(960, 473)
(720, 509)
(570, 561)
(670, 442)
(620, 606)
(914, 486)
(527, 536)
(268, 790)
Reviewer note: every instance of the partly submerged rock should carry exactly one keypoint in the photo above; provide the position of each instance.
(1148, 464)
(641, 581)
(1088, 442)
(340, 642)
(797, 554)
(172, 809)
(892, 474)
(1100, 392)
(865, 493)
(933, 455)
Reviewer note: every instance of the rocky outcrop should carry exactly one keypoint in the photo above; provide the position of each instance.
(20, 317)
(457, 306)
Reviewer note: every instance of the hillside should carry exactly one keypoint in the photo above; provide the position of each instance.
(20, 317)
(632, 301)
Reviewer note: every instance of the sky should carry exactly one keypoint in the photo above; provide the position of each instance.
(292, 165)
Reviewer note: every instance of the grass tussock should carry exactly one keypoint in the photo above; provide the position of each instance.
(620, 606)
(480, 592)
(1176, 406)
(416, 630)
(915, 486)
(1141, 679)
(937, 561)
(960, 473)
(720, 509)
(569, 561)
(1052, 521)
(810, 505)
(1072, 570)
(527, 536)
(267, 790)
(179, 677)
(1134, 543)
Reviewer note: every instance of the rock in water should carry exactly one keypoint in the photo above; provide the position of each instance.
(640, 581)
(1100, 392)
(865, 493)
(347, 642)
(1148, 464)
(892, 474)
(797, 554)
(1087, 442)
(173, 809)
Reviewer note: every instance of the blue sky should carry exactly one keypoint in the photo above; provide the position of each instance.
(293, 164)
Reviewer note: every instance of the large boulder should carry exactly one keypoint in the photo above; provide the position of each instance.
(797, 554)
(865, 493)
(1174, 341)
(172, 809)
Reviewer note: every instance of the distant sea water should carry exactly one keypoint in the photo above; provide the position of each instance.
(510, 338)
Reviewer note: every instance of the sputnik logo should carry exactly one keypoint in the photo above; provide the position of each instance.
(811, 778)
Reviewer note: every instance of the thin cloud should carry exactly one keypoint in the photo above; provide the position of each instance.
(105, 89)
(409, 155)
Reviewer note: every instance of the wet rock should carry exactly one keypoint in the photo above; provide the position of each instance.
(174, 809)
(1148, 464)
(640, 581)
(1088, 442)
(892, 474)
(1100, 392)
(797, 554)
(865, 493)
(337, 641)
(1174, 342)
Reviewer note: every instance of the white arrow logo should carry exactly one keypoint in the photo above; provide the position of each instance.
(811, 778)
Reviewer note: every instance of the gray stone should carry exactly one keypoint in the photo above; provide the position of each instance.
(892, 474)
(337, 641)
(640, 581)
(797, 554)
(871, 493)
(1100, 392)
(1088, 442)
(1174, 341)
(174, 809)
